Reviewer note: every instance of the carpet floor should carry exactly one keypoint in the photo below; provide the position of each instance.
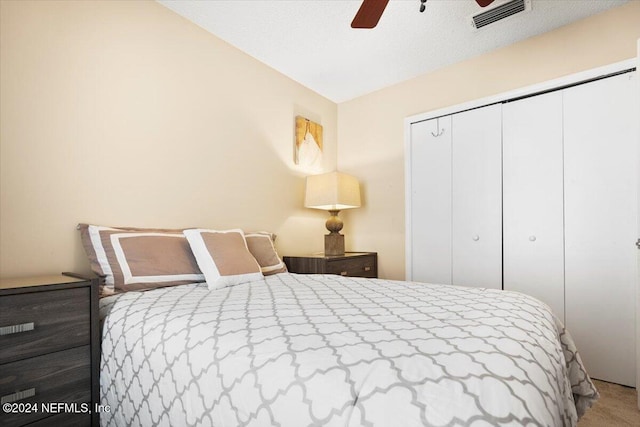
(617, 406)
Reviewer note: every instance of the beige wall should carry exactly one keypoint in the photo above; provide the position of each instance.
(371, 133)
(124, 113)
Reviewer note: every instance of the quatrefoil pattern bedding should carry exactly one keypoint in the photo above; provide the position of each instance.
(303, 350)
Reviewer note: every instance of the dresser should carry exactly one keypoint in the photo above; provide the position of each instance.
(352, 264)
(49, 351)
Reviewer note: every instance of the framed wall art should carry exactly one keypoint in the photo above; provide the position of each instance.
(308, 148)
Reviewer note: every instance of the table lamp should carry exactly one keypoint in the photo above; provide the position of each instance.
(333, 192)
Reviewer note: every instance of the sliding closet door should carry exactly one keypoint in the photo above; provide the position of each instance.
(477, 198)
(431, 201)
(601, 143)
(533, 199)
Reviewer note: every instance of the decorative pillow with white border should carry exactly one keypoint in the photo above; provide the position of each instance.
(139, 258)
(223, 257)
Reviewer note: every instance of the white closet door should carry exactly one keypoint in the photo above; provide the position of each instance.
(533, 199)
(431, 201)
(477, 198)
(601, 143)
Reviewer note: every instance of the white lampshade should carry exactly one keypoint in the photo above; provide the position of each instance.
(332, 191)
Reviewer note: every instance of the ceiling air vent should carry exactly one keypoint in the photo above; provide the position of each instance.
(500, 12)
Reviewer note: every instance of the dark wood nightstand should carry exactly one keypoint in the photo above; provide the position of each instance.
(353, 264)
(49, 350)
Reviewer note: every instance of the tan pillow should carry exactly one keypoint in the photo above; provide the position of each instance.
(139, 258)
(223, 257)
(263, 250)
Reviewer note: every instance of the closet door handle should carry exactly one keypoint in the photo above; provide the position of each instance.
(532, 238)
(475, 238)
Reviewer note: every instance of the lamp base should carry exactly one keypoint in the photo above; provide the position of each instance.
(333, 244)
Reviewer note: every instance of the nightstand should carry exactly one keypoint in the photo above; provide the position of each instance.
(49, 350)
(352, 264)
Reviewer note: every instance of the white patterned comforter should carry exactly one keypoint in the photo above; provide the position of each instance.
(296, 350)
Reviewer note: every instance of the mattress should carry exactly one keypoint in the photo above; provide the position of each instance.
(302, 350)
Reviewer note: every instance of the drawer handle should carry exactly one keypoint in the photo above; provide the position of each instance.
(343, 273)
(16, 329)
(367, 268)
(18, 395)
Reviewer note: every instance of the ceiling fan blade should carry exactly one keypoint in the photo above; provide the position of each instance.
(369, 13)
(484, 3)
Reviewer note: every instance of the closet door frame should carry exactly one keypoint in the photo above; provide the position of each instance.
(581, 77)
(637, 65)
(556, 84)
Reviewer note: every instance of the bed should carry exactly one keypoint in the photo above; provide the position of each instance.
(302, 350)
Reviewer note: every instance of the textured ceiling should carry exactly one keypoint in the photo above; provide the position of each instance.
(311, 41)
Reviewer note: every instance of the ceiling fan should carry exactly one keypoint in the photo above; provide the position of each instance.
(371, 10)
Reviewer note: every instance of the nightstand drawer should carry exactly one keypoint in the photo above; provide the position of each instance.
(37, 323)
(353, 264)
(357, 267)
(63, 376)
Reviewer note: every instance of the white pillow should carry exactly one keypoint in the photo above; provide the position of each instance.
(223, 257)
